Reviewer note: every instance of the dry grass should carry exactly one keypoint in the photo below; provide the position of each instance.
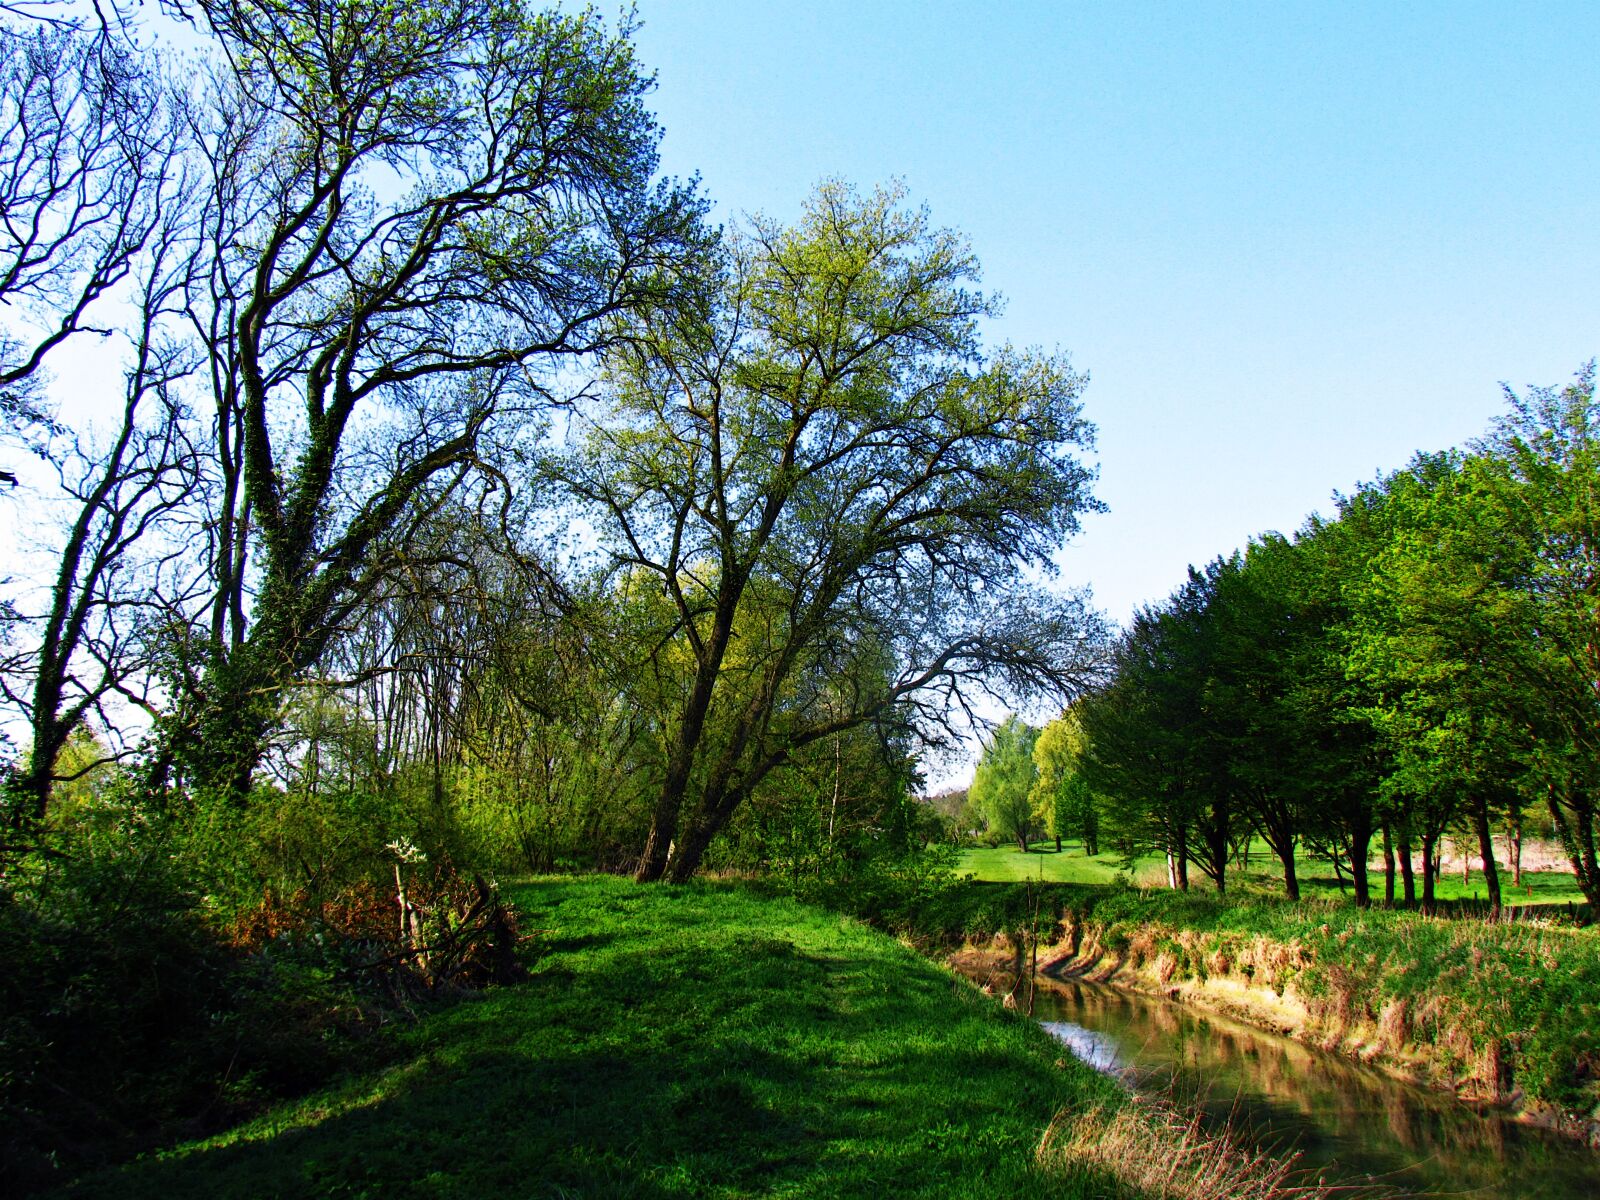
(1153, 1147)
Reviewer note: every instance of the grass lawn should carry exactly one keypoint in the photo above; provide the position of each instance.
(1007, 864)
(675, 1042)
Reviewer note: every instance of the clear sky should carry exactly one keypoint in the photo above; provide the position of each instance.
(1291, 243)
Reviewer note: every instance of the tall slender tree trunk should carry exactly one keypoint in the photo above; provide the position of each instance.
(1430, 871)
(1514, 843)
(1407, 868)
(1491, 873)
(1388, 867)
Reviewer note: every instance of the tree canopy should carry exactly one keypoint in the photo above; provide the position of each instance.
(838, 493)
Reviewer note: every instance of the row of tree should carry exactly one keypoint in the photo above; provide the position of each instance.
(1424, 662)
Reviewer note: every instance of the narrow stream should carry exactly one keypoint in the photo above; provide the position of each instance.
(1350, 1124)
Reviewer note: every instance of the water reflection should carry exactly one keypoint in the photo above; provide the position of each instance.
(1350, 1124)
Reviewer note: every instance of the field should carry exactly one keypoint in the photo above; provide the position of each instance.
(1007, 864)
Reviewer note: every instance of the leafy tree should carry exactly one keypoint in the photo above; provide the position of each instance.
(1538, 475)
(1133, 761)
(1436, 639)
(827, 477)
(415, 212)
(1062, 800)
(1003, 784)
(1342, 759)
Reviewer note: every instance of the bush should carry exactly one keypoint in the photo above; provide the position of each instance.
(147, 996)
(124, 1017)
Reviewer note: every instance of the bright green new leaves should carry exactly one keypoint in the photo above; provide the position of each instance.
(1540, 478)
(1002, 786)
(1062, 801)
(824, 474)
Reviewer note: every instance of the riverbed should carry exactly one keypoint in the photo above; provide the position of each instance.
(1350, 1124)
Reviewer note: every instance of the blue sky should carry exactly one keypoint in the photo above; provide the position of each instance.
(1291, 243)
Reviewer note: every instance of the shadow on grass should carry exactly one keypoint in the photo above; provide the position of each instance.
(692, 1060)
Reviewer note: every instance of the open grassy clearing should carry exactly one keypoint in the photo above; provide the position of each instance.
(691, 1041)
(1007, 864)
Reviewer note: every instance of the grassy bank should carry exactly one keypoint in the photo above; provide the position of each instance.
(1503, 1012)
(695, 1041)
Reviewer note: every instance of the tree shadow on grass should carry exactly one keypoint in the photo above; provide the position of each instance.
(717, 1069)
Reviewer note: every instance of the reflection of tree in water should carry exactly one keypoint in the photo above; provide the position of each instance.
(1354, 1122)
(1401, 1116)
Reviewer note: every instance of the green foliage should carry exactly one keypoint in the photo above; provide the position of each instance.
(1420, 667)
(833, 807)
(1003, 784)
(125, 1016)
(829, 493)
(1063, 802)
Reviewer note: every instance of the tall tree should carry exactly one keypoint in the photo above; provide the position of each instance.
(1538, 473)
(1002, 785)
(1435, 636)
(821, 470)
(1062, 799)
(95, 239)
(415, 212)
(1153, 749)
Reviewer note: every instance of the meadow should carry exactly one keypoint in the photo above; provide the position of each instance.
(672, 1042)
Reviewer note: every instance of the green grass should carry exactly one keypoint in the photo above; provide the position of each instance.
(675, 1042)
(1007, 864)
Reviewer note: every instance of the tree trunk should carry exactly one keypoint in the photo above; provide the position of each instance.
(1388, 867)
(658, 843)
(1491, 874)
(1514, 841)
(691, 728)
(1408, 878)
(1430, 872)
(219, 751)
(1577, 839)
(1291, 884)
(701, 830)
(1358, 871)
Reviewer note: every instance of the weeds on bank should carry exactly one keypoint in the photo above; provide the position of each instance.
(1153, 1148)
